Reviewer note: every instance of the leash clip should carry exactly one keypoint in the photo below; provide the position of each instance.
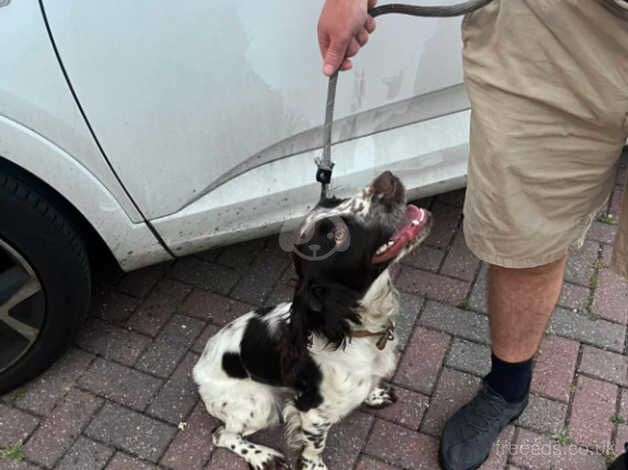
(323, 171)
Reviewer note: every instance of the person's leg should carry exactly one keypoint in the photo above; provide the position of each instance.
(547, 127)
(520, 302)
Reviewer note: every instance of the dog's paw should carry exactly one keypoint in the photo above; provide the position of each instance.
(268, 459)
(305, 463)
(380, 397)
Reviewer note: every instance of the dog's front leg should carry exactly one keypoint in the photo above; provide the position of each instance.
(314, 428)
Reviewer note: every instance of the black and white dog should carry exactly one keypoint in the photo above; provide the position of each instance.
(312, 361)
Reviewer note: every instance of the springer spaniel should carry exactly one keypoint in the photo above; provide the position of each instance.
(310, 362)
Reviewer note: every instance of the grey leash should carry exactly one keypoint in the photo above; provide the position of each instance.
(324, 164)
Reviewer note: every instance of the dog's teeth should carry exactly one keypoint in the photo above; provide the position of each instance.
(390, 243)
(381, 249)
(415, 222)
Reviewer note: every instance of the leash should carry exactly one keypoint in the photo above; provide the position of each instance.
(324, 164)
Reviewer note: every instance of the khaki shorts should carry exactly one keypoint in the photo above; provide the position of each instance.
(548, 85)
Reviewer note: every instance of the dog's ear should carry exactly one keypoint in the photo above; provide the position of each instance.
(298, 369)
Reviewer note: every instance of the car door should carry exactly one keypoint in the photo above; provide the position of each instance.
(210, 112)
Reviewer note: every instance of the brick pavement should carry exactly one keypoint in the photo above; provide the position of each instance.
(122, 397)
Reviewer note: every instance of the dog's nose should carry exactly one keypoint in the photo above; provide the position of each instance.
(389, 187)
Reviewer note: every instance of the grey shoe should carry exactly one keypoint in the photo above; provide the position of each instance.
(471, 432)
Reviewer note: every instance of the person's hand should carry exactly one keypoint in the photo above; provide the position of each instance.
(343, 28)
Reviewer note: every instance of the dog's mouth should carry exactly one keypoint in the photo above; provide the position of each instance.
(414, 227)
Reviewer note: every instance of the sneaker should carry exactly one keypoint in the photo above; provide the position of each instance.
(471, 432)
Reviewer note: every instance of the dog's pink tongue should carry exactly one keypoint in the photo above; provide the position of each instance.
(415, 222)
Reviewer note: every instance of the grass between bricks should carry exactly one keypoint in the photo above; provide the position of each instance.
(561, 437)
(14, 451)
(607, 219)
(617, 419)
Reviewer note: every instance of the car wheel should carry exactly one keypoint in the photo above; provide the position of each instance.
(45, 282)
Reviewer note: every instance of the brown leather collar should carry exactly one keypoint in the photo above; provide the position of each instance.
(384, 336)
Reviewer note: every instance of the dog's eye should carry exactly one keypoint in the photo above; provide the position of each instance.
(330, 236)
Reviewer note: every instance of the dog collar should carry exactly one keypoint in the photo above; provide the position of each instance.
(384, 336)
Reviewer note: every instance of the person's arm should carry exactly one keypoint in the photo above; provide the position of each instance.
(343, 28)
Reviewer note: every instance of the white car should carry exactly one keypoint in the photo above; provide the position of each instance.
(157, 129)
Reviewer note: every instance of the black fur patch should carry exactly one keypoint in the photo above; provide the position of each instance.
(233, 367)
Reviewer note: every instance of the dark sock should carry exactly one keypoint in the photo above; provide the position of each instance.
(510, 379)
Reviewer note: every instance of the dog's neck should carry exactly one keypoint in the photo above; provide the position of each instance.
(379, 306)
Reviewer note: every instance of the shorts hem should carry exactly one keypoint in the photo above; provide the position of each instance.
(506, 262)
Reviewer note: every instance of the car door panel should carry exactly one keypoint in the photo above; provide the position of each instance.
(180, 93)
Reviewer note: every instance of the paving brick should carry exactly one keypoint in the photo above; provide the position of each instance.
(256, 284)
(600, 333)
(215, 308)
(573, 296)
(407, 411)
(162, 357)
(43, 393)
(283, 290)
(605, 365)
(367, 463)
(422, 360)
(209, 331)
(222, 458)
(603, 233)
(543, 415)
(409, 308)
(17, 465)
(621, 439)
(446, 223)
(85, 454)
(59, 430)
(460, 262)
(15, 425)
(623, 404)
(607, 251)
(454, 389)
(453, 198)
(122, 461)
(611, 297)
(119, 383)
(112, 342)
(500, 451)
(210, 255)
(593, 406)
(581, 264)
(432, 286)
(469, 357)
(402, 447)
(241, 255)
(455, 321)
(178, 396)
(139, 283)
(346, 439)
(114, 306)
(158, 307)
(554, 367)
(477, 299)
(538, 452)
(209, 276)
(131, 431)
(192, 446)
(426, 258)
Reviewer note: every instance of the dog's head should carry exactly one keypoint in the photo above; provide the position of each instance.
(342, 246)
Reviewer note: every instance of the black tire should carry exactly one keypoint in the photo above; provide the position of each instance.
(55, 252)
